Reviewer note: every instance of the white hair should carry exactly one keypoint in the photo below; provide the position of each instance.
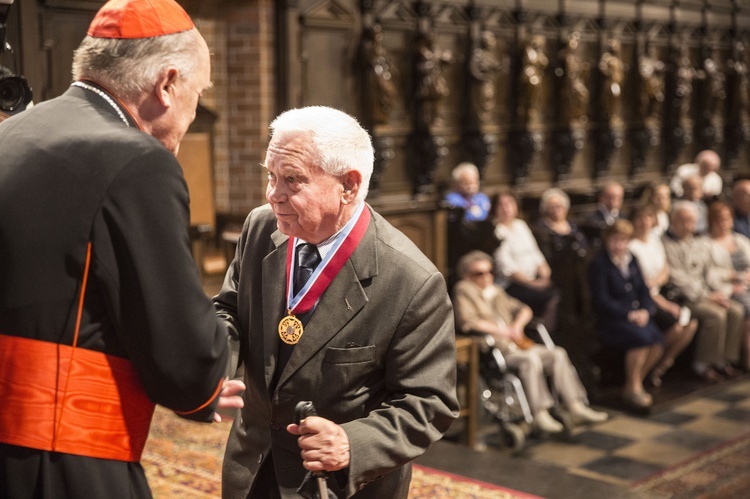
(553, 193)
(462, 168)
(682, 206)
(130, 67)
(340, 142)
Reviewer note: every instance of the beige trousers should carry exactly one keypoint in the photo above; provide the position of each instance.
(533, 367)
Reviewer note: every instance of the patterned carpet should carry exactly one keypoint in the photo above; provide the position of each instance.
(183, 459)
(720, 473)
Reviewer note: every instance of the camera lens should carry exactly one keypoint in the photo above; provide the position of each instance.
(15, 93)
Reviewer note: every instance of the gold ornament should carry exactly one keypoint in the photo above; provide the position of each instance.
(290, 330)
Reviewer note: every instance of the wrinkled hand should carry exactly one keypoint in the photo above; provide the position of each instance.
(719, 299)
(230, 399)
(673, 309)
(515, 332)
(324, 444)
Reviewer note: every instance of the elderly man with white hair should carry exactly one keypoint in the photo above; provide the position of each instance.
(706, 166)
(466, 194)
(699, 284)
(331, 304)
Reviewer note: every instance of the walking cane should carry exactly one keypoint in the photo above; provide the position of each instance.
(303, 410)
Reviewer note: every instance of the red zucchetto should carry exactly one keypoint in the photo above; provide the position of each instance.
(139, 19)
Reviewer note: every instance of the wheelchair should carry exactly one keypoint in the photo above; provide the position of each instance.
(502, 395)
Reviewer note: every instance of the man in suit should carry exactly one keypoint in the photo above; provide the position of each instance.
(608, 211)
(609, 206)
(369, 338)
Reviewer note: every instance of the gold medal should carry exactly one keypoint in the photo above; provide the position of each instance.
(290, 330)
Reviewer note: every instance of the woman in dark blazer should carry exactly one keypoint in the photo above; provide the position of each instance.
(625, 309)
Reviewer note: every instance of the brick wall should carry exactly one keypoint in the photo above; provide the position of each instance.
(243, 97)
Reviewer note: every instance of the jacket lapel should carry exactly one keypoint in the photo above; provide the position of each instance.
(343, 299)
(274, 301)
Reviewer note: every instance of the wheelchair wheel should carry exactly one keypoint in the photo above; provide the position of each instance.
(514, 436)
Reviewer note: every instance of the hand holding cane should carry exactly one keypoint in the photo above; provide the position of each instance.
(302, 410)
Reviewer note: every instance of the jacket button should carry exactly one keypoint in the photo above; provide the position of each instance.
(636, 305)
(275, 425)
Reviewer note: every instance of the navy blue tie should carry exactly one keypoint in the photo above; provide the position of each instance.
(308, 259)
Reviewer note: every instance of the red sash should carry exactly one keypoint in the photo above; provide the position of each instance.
(61, 398)
(71, 400)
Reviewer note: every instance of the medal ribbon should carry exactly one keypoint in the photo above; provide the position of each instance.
(342, 249)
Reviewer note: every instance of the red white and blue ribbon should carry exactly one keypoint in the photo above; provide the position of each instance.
(343, 247)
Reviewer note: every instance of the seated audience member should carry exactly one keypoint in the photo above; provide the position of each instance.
(707, 163)
(565, 247)
(609, 206)
(692, 192)
(521, 267)
(730, 253)
(624, 309)
(608, 210)
(692, 275)
(741, 205)
(673, 320)
(468, 227)
(555, 229)
(466, 194)
(483, 307)
(660, 198)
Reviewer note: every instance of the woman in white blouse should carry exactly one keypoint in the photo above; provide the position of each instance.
(671, 318)
(521, 267)
(660, 198)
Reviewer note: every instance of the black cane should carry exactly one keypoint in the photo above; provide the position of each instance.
(303, 410)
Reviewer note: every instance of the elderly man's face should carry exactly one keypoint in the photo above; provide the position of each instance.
(612, 197)
(171, 127)
(468, 184)
(683, 223)
(692, 189)
(709, 162)
(307, 201)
